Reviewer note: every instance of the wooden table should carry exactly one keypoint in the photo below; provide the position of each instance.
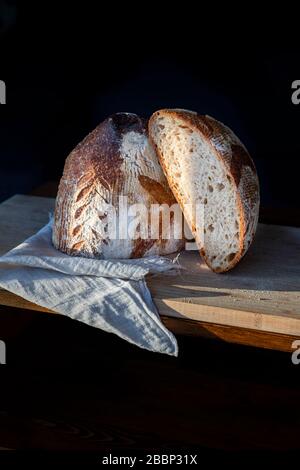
(68, 387)
(258, 303)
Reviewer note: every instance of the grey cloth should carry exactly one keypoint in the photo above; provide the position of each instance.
(108, 294)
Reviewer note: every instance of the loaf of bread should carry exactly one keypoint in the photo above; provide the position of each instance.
(206, 164)
(114, 160)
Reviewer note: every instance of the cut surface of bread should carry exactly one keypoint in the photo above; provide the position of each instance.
(207, 167)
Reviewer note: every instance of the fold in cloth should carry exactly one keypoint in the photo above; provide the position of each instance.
(108, 294)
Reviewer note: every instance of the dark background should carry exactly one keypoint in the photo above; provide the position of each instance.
(69, 65)
(66, 67)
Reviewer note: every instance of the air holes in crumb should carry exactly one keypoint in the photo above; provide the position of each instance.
(161, 126)
(226, 236)
(211, 228)
(210, 188)
(191, 150)
(228, 177)
(237, 235)
(205, 201)
(230, 257)
(236, 224)
(220, 186)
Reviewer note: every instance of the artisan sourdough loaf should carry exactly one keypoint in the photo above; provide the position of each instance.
(207, 165)
(114, 160)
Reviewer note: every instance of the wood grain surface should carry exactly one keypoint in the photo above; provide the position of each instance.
(261, 294)
(71, 388)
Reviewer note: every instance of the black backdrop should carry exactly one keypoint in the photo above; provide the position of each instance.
(67, 67)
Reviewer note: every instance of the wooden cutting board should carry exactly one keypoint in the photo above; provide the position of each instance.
(259, 298)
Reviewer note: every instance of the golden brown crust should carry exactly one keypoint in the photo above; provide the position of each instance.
(96, 157)
(234, 156)
(160, 193)
(96, 173)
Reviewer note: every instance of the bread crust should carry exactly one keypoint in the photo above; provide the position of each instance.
(238, 165)
(101, 168)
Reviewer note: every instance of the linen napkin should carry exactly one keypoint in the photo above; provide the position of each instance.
(108, 294)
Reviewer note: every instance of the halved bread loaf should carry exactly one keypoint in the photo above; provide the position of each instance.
(207, 165)
(115, 160)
